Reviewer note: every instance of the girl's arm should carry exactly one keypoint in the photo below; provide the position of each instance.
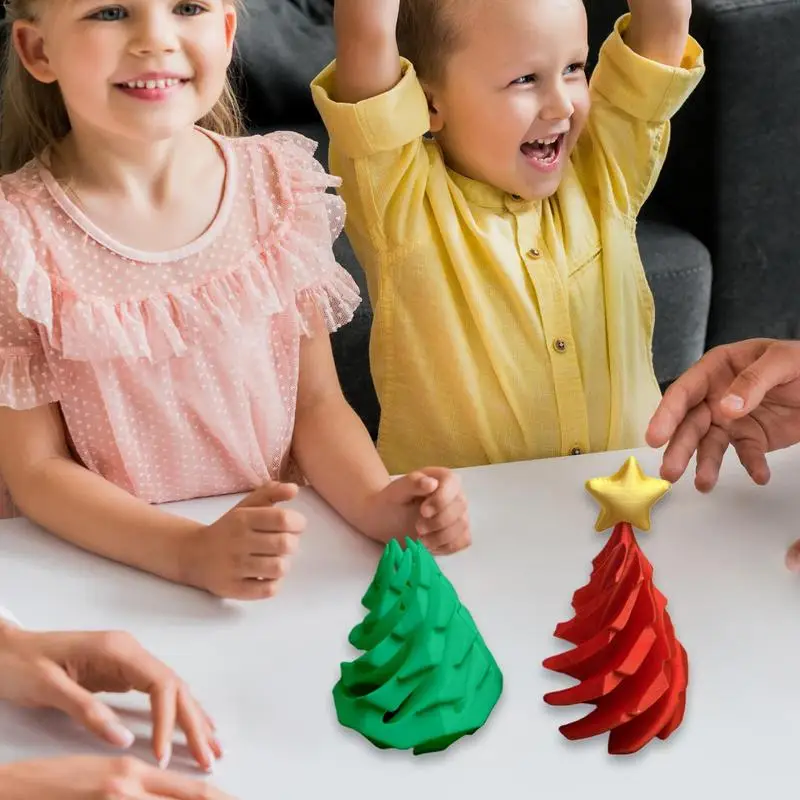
(242, 555)
(52, 490)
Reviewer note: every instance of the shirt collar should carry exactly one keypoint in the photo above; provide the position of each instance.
(482, 194)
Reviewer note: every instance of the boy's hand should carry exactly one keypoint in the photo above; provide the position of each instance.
(659, 29)
(245, 554)
(431, 504)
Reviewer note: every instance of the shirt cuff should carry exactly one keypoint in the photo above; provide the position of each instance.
(8, 617)
(383, 123)
(645, 89)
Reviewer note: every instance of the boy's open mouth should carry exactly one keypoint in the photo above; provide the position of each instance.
(544, 152)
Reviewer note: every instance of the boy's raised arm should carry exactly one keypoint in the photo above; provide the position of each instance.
(367, 58)
(658, 29)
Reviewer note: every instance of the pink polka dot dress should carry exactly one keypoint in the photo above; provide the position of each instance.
(176, 372)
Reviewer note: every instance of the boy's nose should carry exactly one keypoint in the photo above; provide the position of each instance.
(558, 104)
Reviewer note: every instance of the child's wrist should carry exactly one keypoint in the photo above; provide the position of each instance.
(183, 556)
(366, 18)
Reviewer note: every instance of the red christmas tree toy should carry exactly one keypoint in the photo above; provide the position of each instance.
(630, 665)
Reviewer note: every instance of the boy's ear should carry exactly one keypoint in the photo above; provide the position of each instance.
(434, 109)
(29, 44)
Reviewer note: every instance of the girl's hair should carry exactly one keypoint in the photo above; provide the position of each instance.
(33, 115)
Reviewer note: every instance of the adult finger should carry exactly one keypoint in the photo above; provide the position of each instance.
(793, 557)
(160, 784)
(191, 720)
(687, 392)
(684, 442)
(778, 365)
(452, 512)
(754, 459)
(710, 453)
(58, 690)
(163, 699)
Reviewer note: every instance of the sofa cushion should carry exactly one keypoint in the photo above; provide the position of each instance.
(678, 269)
(281, 46)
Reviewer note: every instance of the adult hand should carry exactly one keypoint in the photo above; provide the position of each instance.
(94, 777)
(746, 394)
(62, 670)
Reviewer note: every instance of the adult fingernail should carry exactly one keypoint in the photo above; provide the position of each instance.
(793, 559)
(119, 735)
(733, 402)
(166, 757)
(210, 761)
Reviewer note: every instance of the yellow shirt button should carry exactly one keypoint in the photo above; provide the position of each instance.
(559, 345)
(576, 451)
(533, 253)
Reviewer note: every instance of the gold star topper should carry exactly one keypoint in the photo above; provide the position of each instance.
(626, 496)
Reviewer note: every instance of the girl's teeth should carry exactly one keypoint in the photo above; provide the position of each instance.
(163, 83)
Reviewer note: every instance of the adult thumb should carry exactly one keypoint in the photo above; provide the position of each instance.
(793, 557)
(774, 368)
(61, 692)
(269, 494)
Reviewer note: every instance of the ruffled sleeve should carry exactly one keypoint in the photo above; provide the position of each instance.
(26, 380)
(299, 220)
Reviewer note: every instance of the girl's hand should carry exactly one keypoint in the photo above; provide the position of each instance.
(93, 777)
(245, 554)
(430, 503)
(62, 670)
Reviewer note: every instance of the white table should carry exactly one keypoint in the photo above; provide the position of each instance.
(266, 670)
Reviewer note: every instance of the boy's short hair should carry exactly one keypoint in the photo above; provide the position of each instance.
(428, 33)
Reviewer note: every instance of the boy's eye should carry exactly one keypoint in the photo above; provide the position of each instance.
(525, 80)
(110, 14)
(577, 67)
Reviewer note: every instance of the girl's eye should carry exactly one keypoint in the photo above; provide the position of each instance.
(574, 68)
(111, 14)
(189, 9)
(525, 80)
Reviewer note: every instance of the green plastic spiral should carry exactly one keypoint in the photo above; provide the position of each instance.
(426, 677)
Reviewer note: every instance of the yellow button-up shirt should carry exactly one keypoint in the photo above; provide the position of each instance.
(504, 329)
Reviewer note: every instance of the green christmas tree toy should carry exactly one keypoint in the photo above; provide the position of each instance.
(426, 677)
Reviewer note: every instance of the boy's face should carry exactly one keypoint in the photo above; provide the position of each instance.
(514, 97)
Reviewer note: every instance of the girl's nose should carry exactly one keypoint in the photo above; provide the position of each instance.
(154, 32)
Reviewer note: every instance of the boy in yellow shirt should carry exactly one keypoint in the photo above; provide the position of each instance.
(512, 316)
